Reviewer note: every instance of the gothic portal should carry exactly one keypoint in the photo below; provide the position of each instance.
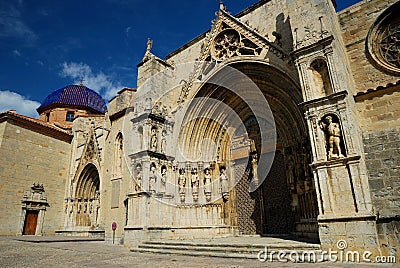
(282, 120)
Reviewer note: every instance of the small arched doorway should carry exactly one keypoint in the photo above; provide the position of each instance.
(87, 196)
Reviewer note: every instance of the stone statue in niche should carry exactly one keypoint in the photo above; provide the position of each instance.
(163, 179)
(254, 165)
(195, 184)
(153, 140)
(207, 184)
(290, 172)
(224, 183)
(152, 178)
(333, 134)
(96, 207)
(138, 172)
(163, 146)
(182, 184)
(195, 180)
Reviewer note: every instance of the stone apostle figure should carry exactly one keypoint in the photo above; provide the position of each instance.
(224, 182)
(163, 142)
(153, 140)
(254, 165)
(195, 181)
(182, 181)
(207, 181)
(163, 179)
(138, 177)
(152, 179)
(333, 133)
(96, 208)
(207, 184)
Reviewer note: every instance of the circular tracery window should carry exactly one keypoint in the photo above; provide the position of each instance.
(383, 42)
(226, 44)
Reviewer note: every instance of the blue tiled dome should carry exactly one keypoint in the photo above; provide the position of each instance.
(75, 95)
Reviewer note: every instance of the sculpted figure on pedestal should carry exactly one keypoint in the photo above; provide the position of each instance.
(333, 132)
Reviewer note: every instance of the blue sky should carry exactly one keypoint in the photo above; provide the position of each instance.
(48, 44)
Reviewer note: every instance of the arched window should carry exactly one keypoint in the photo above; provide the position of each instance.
(140, 131)
(321, 77)
(118, 154)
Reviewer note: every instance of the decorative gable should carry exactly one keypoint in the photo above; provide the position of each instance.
(91, 151)
(229, 37)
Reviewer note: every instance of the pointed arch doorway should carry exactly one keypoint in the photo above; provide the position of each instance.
(286, 202)
(87, 195)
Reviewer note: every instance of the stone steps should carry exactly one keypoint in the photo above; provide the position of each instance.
(215, 249)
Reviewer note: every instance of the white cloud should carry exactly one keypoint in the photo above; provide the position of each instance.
(99, 82)
(127, 29)
(12, 25)
(17, 53)
(13, 101)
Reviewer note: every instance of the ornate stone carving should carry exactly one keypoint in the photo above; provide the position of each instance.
(389, 45)
(383, 40)
(312, 33)
(229, 43)
(229, 37)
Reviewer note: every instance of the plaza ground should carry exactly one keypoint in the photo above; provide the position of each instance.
(48, 253)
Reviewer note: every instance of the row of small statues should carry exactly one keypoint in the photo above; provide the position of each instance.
(84, 212)
(154, 140)
(194, 181)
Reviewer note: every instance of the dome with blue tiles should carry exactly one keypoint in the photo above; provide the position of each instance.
(75, 95)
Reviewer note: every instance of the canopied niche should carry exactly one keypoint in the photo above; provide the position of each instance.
(333, 135)
(321, 77)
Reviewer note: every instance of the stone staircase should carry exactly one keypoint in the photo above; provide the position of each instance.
(231, 248)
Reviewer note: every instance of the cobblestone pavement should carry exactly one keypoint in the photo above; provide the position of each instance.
(15, 253)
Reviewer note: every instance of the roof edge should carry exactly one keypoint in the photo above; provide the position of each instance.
(36, 125)
(201, 36)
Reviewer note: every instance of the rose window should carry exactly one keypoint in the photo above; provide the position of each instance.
(226, 44)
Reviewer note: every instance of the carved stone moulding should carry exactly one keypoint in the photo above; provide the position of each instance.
(383, 41)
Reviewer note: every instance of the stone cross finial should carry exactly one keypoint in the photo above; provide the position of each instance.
(149, 45)
(222, 5)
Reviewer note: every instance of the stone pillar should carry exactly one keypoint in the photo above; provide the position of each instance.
(345, 211)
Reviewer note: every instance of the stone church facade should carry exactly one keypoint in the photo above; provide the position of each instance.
(280, 120)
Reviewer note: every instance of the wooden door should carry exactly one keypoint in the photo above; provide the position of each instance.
(30, 222)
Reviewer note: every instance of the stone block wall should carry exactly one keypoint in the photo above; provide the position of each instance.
(380, 122)
(27, 157)
(355, 22)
